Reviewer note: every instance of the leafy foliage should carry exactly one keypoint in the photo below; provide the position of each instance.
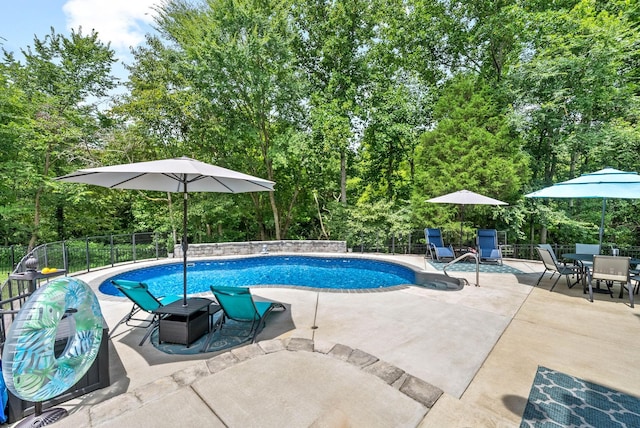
(359, 111)
(473, 148)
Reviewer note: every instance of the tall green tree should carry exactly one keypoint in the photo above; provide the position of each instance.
(238, 56)
(472, 147)
(576, 94)
(333, 38)
(398, 109)
(404, 64)
(63, 79)
(158, 116)
(573, 83)
(483, 36)
(14, 117)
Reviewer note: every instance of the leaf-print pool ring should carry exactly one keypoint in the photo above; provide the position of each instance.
(32, 371)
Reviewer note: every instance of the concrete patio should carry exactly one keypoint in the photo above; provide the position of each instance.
(412, 357)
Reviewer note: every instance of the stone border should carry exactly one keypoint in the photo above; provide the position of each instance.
(417, 389)
(261, 247)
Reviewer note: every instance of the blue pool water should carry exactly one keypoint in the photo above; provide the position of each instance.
(316, 272)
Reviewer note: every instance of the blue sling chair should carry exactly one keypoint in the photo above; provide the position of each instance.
(144, 301)
(436, 247)
(237, 304)
(487, 246)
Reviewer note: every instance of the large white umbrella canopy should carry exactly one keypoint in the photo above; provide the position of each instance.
(179, 175)
(465, 197)
(605, 183)
(170, 175)
(462, 198)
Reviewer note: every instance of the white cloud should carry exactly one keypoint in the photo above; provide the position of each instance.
(121, 22)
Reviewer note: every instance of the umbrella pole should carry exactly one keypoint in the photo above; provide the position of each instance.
(604, 207)
(461, 224)
(185, 245)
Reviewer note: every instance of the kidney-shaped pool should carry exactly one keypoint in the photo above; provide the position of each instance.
(342, 273)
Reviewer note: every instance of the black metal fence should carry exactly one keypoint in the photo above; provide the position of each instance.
(70, 256)
(96, 252)
(414, 243)
(408, 243)
(88, 253)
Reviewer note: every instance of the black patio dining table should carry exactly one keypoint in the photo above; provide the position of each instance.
(589, 258)
(580, 258)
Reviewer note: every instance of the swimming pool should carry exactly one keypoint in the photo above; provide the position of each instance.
(343, 273)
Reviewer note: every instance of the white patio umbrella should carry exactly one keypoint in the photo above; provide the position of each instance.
(606, 183)
(171, 175)
(462, 198)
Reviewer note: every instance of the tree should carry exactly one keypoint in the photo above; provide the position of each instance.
(573, 83)
(238, 57)
(333, 38)
(398, 113)
(576, 92)
(14, 117)
(472, 147)
(483, 36)
(63, 79)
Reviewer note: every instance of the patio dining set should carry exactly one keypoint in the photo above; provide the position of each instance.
(588, 266)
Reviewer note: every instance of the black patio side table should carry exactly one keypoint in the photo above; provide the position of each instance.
(186, 324)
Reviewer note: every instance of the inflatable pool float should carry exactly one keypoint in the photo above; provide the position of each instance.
(31, 367)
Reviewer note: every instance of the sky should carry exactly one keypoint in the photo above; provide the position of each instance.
(123, 23)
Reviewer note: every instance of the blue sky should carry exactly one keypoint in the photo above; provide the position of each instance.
(123, 23)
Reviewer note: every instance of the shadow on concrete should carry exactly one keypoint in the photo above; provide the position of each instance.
(119, 383)
(277, 323)
(515, 403)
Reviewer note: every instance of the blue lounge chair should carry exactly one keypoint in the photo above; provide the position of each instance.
(144, 301)
(436, 247)
(487, 246)
(238, 304)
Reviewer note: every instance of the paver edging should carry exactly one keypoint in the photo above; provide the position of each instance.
(411, 386)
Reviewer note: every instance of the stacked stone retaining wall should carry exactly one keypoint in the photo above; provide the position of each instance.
(258, 247)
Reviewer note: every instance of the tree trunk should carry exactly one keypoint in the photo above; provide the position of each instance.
(36, 215)
(543, 235)
(270, 176)
(289, 216)
(276, 216)
(343, 176)
(36, 220)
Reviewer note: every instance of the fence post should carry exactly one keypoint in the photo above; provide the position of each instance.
(155, 239)
(133, 242)
(111, 249)
(88, 258)
(393, 243)
(46, 255)
(65, 259)
(361, 243)
(531, 251)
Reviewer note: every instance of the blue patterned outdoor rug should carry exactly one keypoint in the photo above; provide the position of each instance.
(560, 400)
(232, 334)
(471, 267)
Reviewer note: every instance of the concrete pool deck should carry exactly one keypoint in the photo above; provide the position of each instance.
(375, 359)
